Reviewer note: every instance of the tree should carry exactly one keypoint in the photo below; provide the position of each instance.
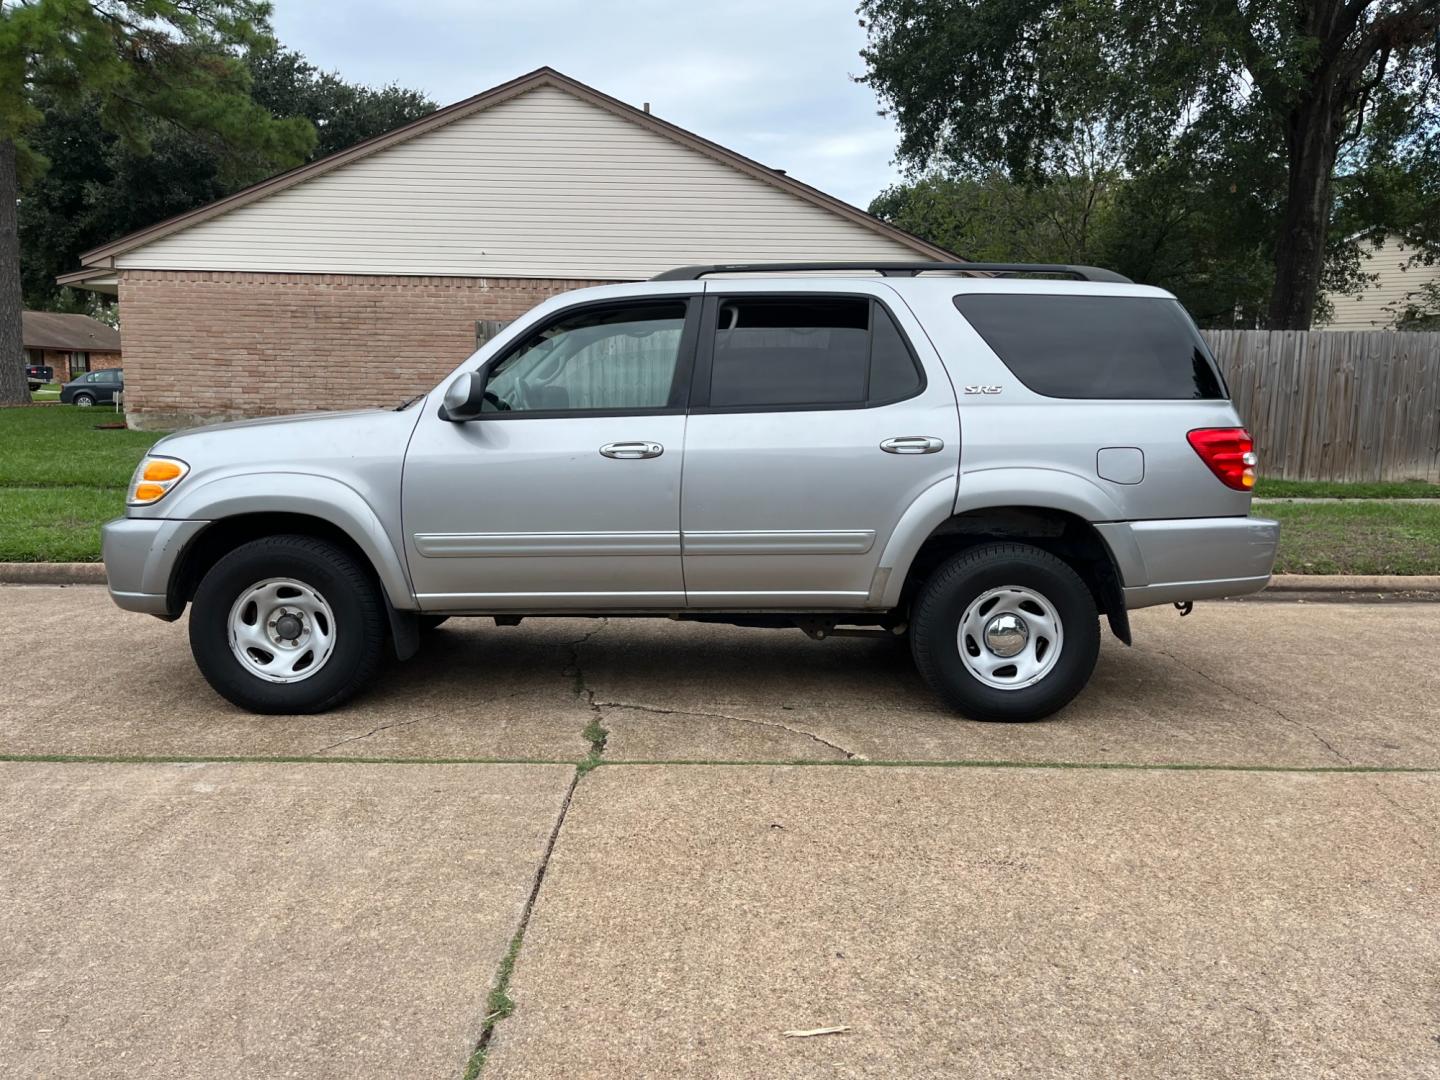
(179, 61)
(98, 186)
(1274, 93)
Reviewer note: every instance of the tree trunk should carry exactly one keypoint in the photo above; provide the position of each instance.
(1314, 142)
(13, 389)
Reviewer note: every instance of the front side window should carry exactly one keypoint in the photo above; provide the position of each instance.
(614, 358)
(808, 352)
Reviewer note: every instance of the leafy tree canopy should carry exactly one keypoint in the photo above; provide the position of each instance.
(1294, 124)
(135, 62)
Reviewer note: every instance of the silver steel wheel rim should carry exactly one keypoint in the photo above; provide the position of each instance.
(987, 635)
(84, 402)
(281, 630)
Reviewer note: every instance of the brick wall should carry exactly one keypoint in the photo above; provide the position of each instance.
(203, 346)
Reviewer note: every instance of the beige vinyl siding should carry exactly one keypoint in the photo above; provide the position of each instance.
(541, 185)
(1377, 307)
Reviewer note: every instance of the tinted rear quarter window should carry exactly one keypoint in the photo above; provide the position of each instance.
(1096, 346)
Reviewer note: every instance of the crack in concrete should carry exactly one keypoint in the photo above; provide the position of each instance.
(372, 731)
(849, 755)
(1257, 703)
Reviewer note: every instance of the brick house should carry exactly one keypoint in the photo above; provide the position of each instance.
(362, 278)
(71, 344)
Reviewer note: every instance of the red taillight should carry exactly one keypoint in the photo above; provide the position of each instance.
(1230, 453)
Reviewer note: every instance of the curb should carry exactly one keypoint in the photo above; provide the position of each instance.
(52, 573)
(1354, 583)
(39, 573)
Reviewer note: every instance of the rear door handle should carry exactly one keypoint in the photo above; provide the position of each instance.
(626, 450)
(913, 444)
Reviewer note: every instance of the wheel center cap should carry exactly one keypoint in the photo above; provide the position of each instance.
(1006, 635)
(288, 627)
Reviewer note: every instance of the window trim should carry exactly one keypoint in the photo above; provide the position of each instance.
(705, 353)
(679, 386)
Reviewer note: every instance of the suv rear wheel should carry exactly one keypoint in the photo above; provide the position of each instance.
(1005, 632)
(287, 624)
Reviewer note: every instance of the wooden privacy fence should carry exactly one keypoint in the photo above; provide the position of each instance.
(1337, 405)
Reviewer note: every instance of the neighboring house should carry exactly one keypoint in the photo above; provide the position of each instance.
(1399, 280)
(71, 344)
(364, 277)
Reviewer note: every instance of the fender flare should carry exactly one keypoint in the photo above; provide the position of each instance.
(1047, 489)
(309, 495)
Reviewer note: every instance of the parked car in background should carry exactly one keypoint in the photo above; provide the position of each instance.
(37, 375)
(93, 386)
(825, 483)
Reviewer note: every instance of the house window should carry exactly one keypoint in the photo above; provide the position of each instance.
(79, 361)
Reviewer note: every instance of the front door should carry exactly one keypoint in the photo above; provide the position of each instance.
(817, 420)
(565, 495)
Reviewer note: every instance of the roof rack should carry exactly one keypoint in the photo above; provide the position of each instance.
(895, 269)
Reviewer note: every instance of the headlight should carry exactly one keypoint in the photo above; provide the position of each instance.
(154, 478)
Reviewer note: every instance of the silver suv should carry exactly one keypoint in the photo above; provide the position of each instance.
(982, 457)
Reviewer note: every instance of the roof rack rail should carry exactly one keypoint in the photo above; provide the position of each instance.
(895, 269)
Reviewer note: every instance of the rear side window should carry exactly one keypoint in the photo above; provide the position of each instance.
(808, 352)
(1096, 346)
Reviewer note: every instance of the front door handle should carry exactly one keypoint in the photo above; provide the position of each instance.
(913, 444)
(627, 450)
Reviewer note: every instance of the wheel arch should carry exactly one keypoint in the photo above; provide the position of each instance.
(1062, 532)
(243, 507)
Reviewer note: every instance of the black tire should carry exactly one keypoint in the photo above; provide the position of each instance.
(353, 597)
(83, 400)
(956, 584)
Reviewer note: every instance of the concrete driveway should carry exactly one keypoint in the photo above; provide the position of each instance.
(813, 843)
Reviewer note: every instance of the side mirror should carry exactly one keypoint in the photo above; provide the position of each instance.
(465, 396)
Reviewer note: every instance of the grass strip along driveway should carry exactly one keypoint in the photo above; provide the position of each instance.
(62, 477)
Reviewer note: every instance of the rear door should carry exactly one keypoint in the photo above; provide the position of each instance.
(817, 417)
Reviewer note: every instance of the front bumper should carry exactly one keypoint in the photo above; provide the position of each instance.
(140, 556)
(1164, 562)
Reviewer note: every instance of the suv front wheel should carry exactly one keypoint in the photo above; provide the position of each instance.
(287, 624)
(1005, 632)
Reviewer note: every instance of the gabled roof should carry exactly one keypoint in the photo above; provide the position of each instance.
(70, 333)
(545, 76)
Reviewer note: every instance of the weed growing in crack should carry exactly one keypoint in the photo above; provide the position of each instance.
(498, 1005)
(596, 733)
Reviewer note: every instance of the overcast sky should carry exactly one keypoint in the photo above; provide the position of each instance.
(768, 78)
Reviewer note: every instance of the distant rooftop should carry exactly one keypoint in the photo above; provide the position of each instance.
(71, 333)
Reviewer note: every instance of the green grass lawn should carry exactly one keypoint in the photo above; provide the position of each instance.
(47, 392)
(58, 524)
(59, 446)
(1324, 489)
(1356, 537)
(61, 479)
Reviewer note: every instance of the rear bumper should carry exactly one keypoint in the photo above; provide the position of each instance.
(1163, 562)
(140, 556)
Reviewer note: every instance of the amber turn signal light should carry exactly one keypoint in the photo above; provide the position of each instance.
(154, 479)
(161, 470)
